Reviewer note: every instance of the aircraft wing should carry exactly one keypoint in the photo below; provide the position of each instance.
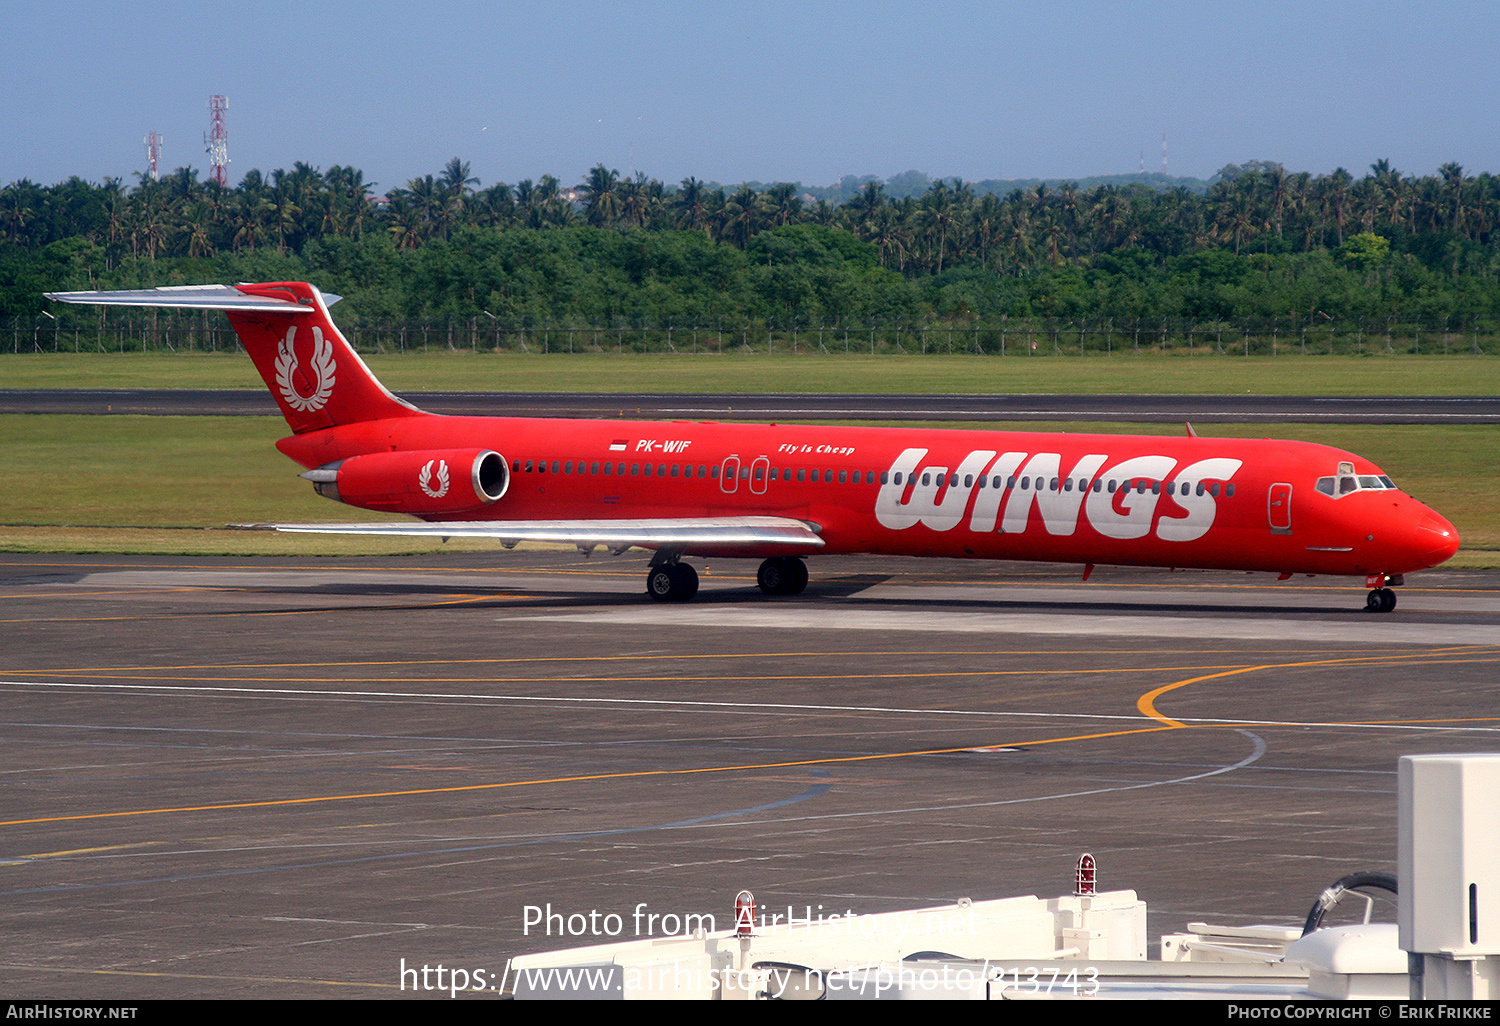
(686, 534)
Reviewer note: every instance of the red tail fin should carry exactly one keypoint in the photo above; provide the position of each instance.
(316, 377)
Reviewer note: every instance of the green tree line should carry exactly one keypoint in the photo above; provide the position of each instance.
(1259, 242)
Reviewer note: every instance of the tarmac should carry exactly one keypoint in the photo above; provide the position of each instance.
(314, 778)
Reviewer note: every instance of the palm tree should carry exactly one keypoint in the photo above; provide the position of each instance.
(20, 205)
(938, 217)
(1337, 196)
(456, 178)
(455, 184)
(116, 210)
(692, 208)
(1453, 180)
(870, 198)
(429, 203)
(349, 201)
(642, 199)
(555, 209)
(882, 228)
(195, 227)
(1390, 193)
(496, 206)
(249, 215)
(984, 228)
(1067, 201)
(1277, 181)
(742, 216)
(408, 220)
(601, 203)
(784, 204)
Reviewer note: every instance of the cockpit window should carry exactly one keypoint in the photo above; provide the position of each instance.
(1347, 482)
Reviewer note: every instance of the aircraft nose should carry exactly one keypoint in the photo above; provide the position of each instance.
(1433, 539)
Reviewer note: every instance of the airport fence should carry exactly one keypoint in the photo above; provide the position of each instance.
(95, 330)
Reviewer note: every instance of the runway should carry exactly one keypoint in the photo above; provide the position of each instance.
(792, 407)
(232, 777)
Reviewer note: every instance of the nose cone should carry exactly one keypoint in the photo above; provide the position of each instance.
(1431, 540)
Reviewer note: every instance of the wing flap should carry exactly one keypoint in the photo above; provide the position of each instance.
(683, 533)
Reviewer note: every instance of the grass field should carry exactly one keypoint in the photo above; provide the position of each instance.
(1145, 373)
(170, 484)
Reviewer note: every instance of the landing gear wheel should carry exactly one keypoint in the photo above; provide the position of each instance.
(1380, 600)
(687, 581)
(672, 582)
(784, 576)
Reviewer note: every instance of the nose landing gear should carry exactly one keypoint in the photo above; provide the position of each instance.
(1381, 599)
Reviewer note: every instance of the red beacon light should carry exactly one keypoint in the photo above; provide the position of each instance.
(744, 914)
(1084, 880)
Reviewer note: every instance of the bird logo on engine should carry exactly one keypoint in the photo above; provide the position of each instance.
(426, 479)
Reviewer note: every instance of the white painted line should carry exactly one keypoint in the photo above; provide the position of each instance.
(215, 691)
(1387, 629)
(1350, 599)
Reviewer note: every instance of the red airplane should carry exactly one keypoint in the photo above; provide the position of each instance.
(780, 492)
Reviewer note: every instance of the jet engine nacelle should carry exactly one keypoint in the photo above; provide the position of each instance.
(422, 482)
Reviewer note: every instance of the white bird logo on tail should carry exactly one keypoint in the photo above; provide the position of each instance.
(322, 371)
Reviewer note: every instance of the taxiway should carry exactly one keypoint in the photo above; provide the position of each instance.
(288, 778)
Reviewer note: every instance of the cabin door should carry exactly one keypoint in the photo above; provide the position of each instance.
(729, 475)
(1279, 508)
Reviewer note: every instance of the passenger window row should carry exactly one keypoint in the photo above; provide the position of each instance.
(1066, 484)
(608, 468)
(814, 475)
(844, 476)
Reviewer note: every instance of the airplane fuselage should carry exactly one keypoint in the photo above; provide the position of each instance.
(1248, 504)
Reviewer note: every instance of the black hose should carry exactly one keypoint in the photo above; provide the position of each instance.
(1331, 897)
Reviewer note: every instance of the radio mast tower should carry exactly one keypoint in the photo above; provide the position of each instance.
(153, 157)
(1164, 153)
(217, 140)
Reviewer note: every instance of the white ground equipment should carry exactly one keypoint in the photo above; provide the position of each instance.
(1088, 944)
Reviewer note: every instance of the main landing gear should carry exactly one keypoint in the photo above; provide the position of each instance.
(784, 576)
(672, 582)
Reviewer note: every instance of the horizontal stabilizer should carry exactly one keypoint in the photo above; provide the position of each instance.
(191, 297)
(684, 533)
(314, 374)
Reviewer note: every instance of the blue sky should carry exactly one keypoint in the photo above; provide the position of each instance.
(762, 91)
